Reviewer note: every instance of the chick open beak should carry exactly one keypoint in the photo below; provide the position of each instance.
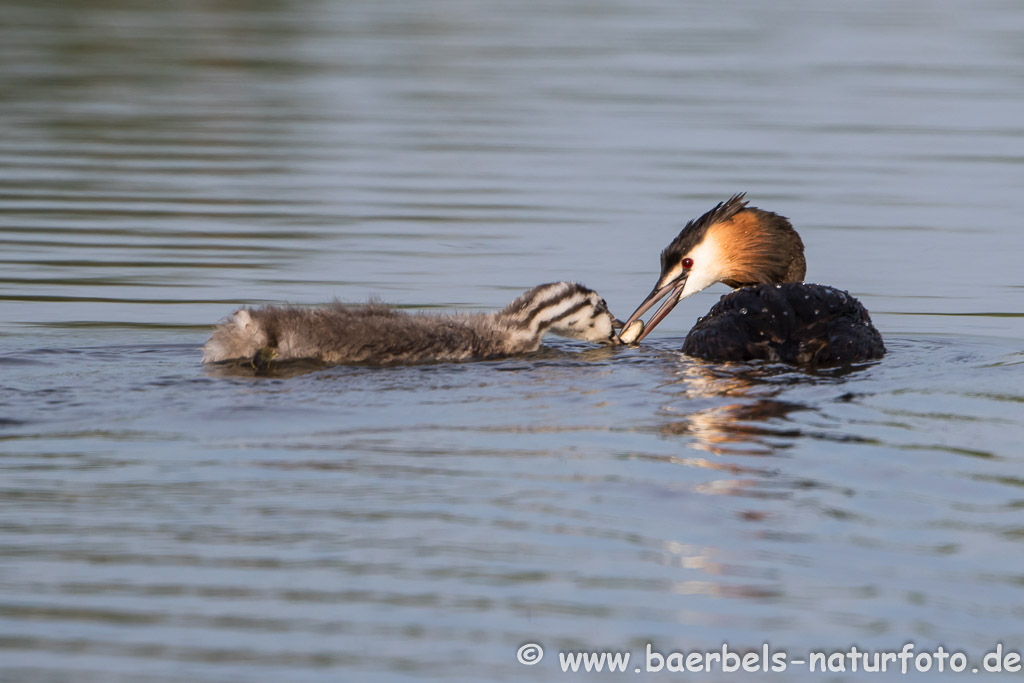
(674, 291)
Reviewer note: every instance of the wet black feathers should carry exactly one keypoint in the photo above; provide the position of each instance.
(790, 322)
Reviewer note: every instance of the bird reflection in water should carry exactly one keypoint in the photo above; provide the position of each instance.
(753, 423)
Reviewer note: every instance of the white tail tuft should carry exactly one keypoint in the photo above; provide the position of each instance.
(240, 336)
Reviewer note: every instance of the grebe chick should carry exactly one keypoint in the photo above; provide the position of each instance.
(375, 334)
(772, 314)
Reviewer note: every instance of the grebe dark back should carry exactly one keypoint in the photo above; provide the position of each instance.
(772, 314)
(376, 334)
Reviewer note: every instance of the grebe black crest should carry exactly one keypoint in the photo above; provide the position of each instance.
(772, 314)
(375, 334)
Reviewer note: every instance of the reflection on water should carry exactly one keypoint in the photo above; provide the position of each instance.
(736, 428)
(160, 166)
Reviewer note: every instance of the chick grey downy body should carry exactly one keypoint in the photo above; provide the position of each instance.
(375, 334)
(772, 314)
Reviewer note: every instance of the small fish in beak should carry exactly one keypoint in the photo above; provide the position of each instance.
(631, 332)
(673, 290)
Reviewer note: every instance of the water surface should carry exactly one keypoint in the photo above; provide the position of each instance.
(161, 166)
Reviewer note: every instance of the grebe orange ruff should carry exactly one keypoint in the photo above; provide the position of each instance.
(771, 315)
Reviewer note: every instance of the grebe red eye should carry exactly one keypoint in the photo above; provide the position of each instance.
(687, 263)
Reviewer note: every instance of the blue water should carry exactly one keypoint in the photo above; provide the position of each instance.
(160, 166)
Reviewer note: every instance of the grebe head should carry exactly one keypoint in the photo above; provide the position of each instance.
(731, 243)
(566, 309)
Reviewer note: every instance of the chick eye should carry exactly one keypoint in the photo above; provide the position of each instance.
(687, 263)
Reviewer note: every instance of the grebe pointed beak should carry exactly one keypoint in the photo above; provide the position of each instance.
(673, 290)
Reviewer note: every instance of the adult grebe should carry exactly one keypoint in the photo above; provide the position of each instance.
(772, 314)
(375, 334)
